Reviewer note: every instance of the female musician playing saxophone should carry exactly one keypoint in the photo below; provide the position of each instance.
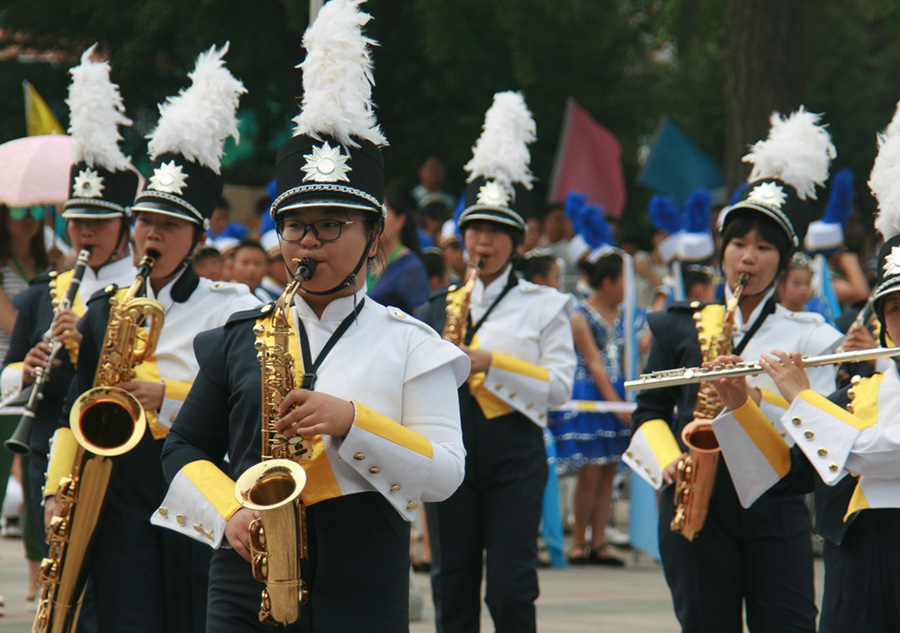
(758, 558)
(523, 362)
(376, 395)
(132, 557)
(844, 446)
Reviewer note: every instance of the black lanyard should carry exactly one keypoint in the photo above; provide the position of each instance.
(472, 329)
(309, 367)
(768, 309)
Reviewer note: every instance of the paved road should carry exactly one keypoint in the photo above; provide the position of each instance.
(575, 600)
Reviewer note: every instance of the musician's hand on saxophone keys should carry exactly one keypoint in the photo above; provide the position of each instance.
(480, 358)
(731, 392)
(308, 412)
(787, 371)
(670, 470)
(858, 337)
(237, 531)
(149, 394)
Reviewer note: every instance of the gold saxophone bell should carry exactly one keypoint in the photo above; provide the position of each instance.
(272, 489)
(107, 421)
(695, 478)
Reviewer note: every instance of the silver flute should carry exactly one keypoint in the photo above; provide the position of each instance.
(692, 375)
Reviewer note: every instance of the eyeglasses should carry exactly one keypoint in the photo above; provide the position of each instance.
(19, 213)
(322, 230)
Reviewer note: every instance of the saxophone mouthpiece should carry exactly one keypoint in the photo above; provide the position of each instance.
(305, 269)
(146, 264)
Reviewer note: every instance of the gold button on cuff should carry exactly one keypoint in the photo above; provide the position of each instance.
(796, 421)
(833, 467)
(849, 407)
(808, 435)
(208, 534)
(498, 386)
(855, 380)
(528, 406)
(182, 520)
(359, 456)
(218, 284)
(822, 452)
(198, 527)
(395, 488)
(374, 470)
(412, 505)
(512, 394)
(172, 419)
(163, 512)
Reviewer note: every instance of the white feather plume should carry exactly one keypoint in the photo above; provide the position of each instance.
(501, 152)
(884, 182)
(337, 77)
(197, 122)
(95, 113)
(798, 151)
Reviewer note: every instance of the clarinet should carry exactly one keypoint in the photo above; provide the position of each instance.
(18, 442)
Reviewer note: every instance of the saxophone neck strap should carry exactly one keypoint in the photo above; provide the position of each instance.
(310, 367)
(768, 309)
(472, 329)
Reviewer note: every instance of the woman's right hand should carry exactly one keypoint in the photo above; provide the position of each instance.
(237, 531)
(36, 357)
(51, 509)
(671, 470)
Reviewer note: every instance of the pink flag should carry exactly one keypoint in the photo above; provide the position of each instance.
(588, 160)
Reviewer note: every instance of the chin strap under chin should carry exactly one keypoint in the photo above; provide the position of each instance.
(351, 278)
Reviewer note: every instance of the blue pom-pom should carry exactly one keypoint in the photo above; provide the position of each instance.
(596, 231)
(664, 214)
(460, 207)
(698, 216)
(737, 194)
(840, 200)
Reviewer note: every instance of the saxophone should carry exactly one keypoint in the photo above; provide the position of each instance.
(106, 422)
(272, 488)
(696, 474)
(458, 312)
(18, 442)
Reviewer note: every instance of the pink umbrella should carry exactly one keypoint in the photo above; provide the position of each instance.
(34, 170)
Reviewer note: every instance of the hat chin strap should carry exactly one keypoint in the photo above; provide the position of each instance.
(114, 255)
(350, 280)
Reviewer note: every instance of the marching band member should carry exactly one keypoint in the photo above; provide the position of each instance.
(523, 362)
(103, 185)
(757, 558)
(375, 394)
(133, 558)
(844, 446)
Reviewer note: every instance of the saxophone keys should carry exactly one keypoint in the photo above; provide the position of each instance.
(261, 567)
(58, 529)
(49, 573)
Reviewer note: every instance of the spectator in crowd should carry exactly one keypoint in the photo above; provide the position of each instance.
(794, 288)
(432, 172)
(433, 212)
(436, 267)
(540, 267)
(404, 281)
(455, 256)
(209, 263)
(223, 233)
(277, 276)
(650, 268)
(248, 264)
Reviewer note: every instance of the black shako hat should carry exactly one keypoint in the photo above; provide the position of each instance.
(99, 193)
(320, 172)
(493, 201)
(777, 200)
(180, 188)
(788, 166)
(102, 182)
(187, 145)
(500, 178)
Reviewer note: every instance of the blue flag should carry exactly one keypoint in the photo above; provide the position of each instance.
(676, 167)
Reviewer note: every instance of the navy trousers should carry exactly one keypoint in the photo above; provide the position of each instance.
(357, 574)
(490, 522)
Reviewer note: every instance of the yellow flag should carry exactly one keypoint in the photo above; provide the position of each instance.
(39, 119)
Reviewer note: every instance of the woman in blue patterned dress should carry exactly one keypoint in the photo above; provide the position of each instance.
(590, 444)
